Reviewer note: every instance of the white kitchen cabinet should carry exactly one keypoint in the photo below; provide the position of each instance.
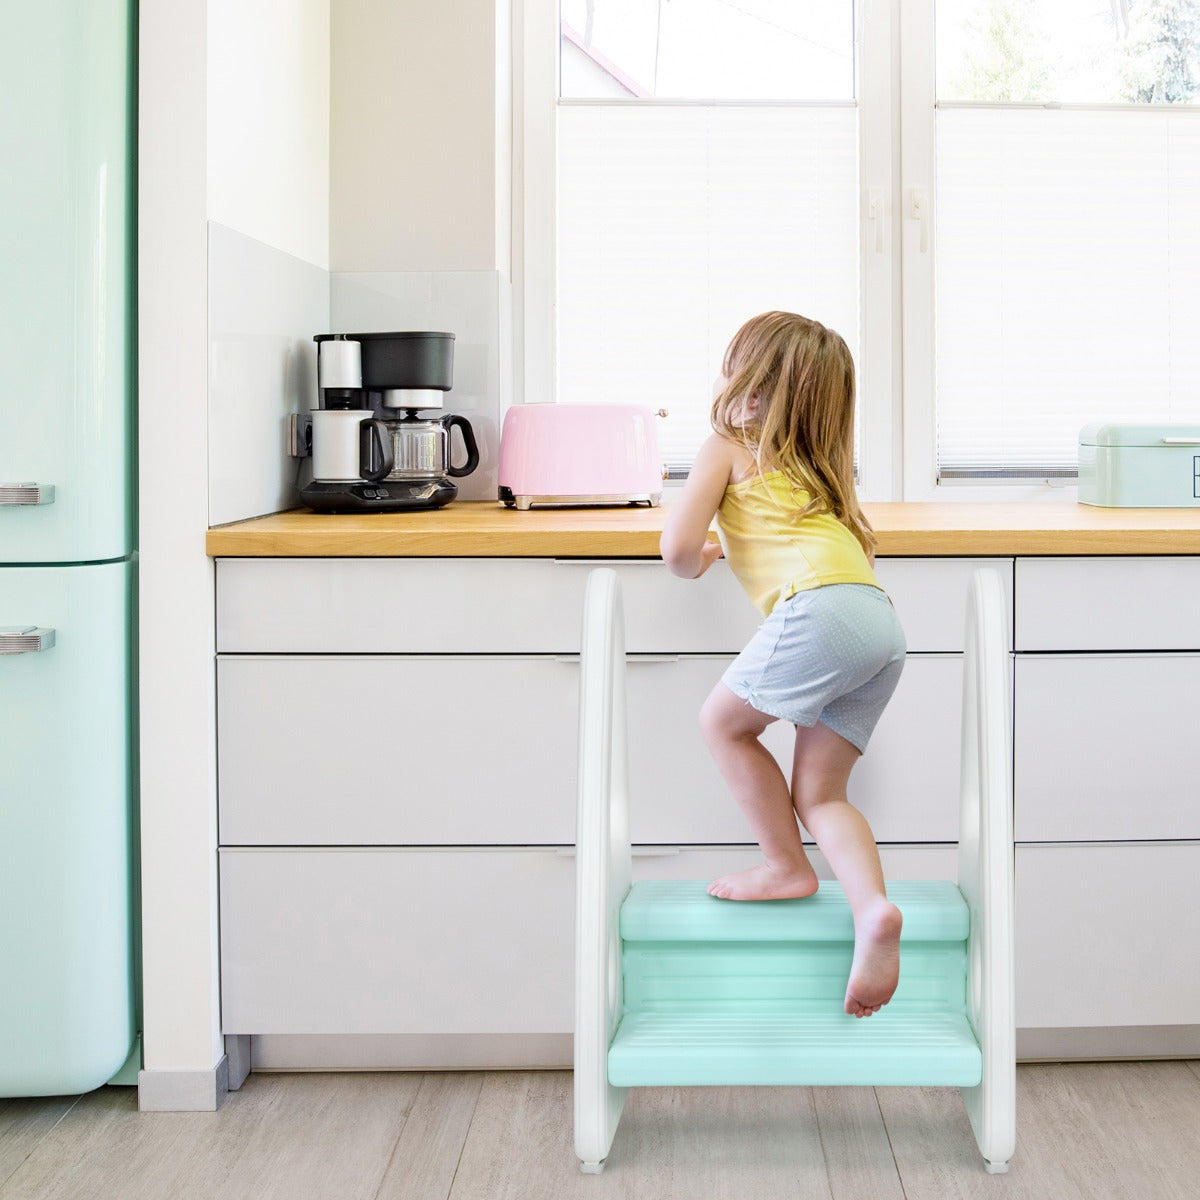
(1108, 603)
(350, 750)
(520, 606)
(1105, 935)
(930, 596)
(481, 750)
(906, 784)
(1105, 747)
(465, 606)
(378, 940)
(399, 862)
(406, 941)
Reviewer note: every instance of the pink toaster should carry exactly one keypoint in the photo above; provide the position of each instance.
(579, 454)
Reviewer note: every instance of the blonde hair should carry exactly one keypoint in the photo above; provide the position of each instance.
(803, 377)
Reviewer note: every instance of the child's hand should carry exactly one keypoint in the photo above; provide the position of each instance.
(709, 553)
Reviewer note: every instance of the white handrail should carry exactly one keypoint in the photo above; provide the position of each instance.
(985, 866)
(603, 865)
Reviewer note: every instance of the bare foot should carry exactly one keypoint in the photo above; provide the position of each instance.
(764, 882)
(875, 971)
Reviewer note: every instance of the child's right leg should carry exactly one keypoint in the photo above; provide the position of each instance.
(731, 728)
(820, 772)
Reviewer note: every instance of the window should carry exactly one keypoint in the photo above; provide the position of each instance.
(1067, 187)
(992, 200)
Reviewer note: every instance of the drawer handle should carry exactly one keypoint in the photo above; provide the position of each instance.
(637, 852)
(25, 639)
(15, 494)
(610, 562)
(1180, 441)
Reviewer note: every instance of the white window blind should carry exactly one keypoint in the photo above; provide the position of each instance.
(1067, 280)
(675, 225)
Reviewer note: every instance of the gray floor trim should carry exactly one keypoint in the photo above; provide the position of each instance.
(1110, 1041)
(237, 1050)
(184, 1091)
(412, 1052)
(552, 1051)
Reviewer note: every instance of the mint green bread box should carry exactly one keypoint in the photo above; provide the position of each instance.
(1129, 465)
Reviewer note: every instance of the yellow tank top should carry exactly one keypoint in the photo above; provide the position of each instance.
(773, 554)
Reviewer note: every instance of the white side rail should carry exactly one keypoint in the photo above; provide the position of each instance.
(603, 866)
(985, 866)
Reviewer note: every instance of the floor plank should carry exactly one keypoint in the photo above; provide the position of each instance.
(672, 1144)
(23, 1124)
(1085, 1131)
(281, 1137)
(854, 1140)
(426, 1156)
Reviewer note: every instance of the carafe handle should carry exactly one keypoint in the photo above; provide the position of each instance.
(468, 436)
(383, 439)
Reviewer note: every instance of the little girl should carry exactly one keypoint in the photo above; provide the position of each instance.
(778, 474)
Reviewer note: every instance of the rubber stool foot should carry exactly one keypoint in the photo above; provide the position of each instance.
(592, 1168)
(995, 1168)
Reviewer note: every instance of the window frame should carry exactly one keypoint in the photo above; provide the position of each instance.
(896, 363)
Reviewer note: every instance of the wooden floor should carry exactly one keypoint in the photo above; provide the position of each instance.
(1085, 1132)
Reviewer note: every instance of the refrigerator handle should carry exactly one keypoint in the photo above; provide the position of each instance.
(25, 639)
(12, 494)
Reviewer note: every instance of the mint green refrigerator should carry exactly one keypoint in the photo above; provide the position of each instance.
(68, 977)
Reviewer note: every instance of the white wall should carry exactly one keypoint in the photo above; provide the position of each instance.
(233, 127)
(268, 122)
(178, 793)
(419, 168)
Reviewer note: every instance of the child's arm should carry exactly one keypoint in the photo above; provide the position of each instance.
(684, 546)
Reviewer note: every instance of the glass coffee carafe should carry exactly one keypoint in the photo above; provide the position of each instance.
(421, 447)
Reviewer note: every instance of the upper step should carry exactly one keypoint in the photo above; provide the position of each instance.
(662, 910)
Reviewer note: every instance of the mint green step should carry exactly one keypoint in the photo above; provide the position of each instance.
(682, 910)
(691, 1049)
(719, 992)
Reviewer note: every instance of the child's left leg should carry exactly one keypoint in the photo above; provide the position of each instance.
(731, 727)
(820, 772)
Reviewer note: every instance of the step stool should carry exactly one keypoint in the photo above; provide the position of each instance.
(675, 988)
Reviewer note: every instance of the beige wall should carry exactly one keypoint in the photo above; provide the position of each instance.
(419, 117)
(268, 122)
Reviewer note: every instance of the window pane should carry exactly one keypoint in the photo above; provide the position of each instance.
(675, 225)
(1069, 52)
(708, 49)
(1067, 279)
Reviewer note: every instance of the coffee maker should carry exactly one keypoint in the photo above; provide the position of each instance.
(372, 450)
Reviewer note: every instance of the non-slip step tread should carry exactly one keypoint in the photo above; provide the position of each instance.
(900, 1047)
(682, 910)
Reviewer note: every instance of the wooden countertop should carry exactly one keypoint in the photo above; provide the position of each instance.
(484, 529)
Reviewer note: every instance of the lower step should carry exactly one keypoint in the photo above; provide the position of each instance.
(896, 1046)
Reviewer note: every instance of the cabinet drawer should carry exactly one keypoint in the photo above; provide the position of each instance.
(359, 750)
(496, 606)
(1108, 604)
(518, 606)
(396, 941)
(930, 595)
(1100, 939)
(1105, 747)
(428, 750)
(378, 941)
(906, 785)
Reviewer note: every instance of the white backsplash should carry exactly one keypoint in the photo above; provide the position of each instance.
(263, 308)
(475, 307)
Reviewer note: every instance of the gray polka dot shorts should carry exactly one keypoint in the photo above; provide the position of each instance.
(831, 654)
